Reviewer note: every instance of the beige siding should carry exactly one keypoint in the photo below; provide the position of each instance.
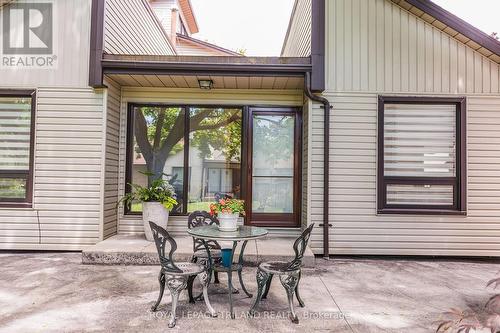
(66, 211)
(357, 229)
(298, 37)
(131, 224)
(110, 214)
(163, 10)
(191, 49)
(315, 175)
(377, 46)
(132, 28)
(71, 46)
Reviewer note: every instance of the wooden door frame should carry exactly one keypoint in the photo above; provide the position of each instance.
(274, 219)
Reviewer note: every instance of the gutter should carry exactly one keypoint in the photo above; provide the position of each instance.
(200, 68)
(326, 162)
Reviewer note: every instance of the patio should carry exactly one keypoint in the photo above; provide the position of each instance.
(54, 292)
(136, 250)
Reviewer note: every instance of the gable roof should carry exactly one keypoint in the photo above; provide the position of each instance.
(205, 45)
(453, 26)
(187, 10)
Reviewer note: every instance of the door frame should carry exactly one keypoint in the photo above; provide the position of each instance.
(292, 220)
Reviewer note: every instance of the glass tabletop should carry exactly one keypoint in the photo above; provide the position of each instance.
(212, 232)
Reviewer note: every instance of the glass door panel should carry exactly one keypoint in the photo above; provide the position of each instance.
(273, 162)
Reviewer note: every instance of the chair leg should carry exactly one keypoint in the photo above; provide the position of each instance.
(301, 302)
(161, 279)
(262, 278)
(216, 277)
(268, 285)
(204, 280)
(190, 288)
(240, 277)
(289, 282)
(175, 285)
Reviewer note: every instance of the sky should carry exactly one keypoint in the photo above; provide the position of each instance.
(259, 26)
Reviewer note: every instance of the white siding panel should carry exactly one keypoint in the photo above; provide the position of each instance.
(68, 215)
(405, 53)
(132, 28)
(357, 229)
(298, 38)
(186, 48)
(110, 214)
(66, 211)
(71, 46)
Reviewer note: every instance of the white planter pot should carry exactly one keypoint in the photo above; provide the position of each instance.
(154, 212)
(228, 222)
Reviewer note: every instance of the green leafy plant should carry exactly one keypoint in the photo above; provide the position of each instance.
(230, 206)
(458, 321)
(159, 190)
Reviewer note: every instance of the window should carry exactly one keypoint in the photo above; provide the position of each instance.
(421, 163)
(16, 147)
(168, 140)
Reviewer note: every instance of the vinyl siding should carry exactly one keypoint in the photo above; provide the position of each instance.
(177, 225)
(298, 37)
(186, 48)
(71, 41)
(132, 28)
(66, 211)
(377, 46)
(357, 229)
(110, 214)
(163, 10)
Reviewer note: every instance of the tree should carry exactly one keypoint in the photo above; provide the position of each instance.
(159, 132)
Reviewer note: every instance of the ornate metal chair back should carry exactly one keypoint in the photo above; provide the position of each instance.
(299, 247)
(166, 246)
(202, 218)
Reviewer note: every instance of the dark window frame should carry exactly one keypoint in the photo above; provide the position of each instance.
(27, 201)
(129, 147)
(459, 182)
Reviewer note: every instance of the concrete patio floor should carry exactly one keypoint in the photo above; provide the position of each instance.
(136, 250)
(54, 292)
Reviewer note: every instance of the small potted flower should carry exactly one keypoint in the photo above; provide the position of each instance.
(228, 211)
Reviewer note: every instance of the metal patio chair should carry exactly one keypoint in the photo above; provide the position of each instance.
(288, 272)
(202, 218)
(176, 275)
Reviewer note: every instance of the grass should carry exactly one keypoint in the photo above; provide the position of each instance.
(204, 205)
(192, 206)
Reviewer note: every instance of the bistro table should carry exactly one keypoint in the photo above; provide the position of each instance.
(243, 234)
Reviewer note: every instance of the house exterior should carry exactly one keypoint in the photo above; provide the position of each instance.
(401, 96)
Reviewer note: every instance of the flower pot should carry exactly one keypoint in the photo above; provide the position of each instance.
(228, 222)
(154, 212)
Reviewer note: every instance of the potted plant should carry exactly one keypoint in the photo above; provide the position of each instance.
(158, 199)
(228, 211)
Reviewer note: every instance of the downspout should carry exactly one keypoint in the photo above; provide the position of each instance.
(326, 162)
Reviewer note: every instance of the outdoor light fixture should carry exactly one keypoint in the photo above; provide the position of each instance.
(206, 84)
